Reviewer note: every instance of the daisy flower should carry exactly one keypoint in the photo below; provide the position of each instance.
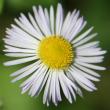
(61, 57)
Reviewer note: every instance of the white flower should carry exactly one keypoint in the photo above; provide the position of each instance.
(60, 57)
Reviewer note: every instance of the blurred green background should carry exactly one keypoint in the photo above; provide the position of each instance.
(97, 13)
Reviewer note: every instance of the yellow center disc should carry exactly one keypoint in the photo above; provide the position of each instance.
(56, 52)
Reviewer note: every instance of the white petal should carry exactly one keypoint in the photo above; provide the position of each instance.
(59, 19)
(18, 33)
(65, 24)
(40, 22)
(47, 88)
(91, 52)
(52, 19)
(97, 59)
(26, 87)
(64, 88)
(19, 55)
(18, 50)
(52, 88)
(86, 75)
(82, 79)
(20, 44)
(11, 35)
(27, 27)
(85, 40)
(43, 83)
(72, 22)
(88, 50)
(37, 83)
(35, 24)
(85, 86)
(23, 69)
(58, 95)
(70, 85)
(91, 72)
(91, 66)
(77, 28)
(78, 91)
(88, 45)
(47, 16)
(20, 61)
(82, 35)
(29, 82)
(44, 20)
(26, 73)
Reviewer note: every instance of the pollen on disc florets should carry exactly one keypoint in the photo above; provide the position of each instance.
(56, 52)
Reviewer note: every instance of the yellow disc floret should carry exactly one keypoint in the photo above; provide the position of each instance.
(56, 52)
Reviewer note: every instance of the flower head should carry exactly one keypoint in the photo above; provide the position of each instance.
(59, 55)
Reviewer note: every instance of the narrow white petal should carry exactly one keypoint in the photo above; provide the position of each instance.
(81, 28)
(20, 44)
(26, 85)
(81, 84)
(71, 23)
(88, 50)
(29, 84)
(16, 38)
(97, 59)
(85, 86)
(52, 88)
(43, 83)
(88, 45)
(91, 52)
(64, 88)
(70, 85)
(58, 94)
(26, 22)
(80, 42)
(52, 19)
(86, 75)
(23, 69)
(91, 72)
(37, 83)
(19, 54)
(44, 20)
(82, 35)
(65, 91)
(36, 74)
(20, 61)
(82, 79)
(35, 24)
(13, 35)
(59, 19)
(91, 66)
(16, 31)
(47, 16)
(27, 28)
(77, 28)
(30, 71)
(65, 24)
(78, 90)
(47, 87)
(18, 50)
(40, 22)
(26, 73)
